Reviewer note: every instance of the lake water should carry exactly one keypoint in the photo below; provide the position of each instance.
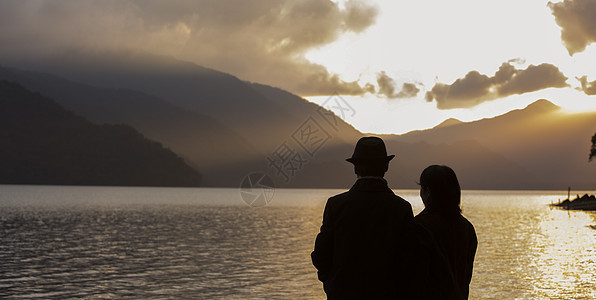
(118, 242)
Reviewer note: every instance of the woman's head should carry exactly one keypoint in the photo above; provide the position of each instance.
(440, 190)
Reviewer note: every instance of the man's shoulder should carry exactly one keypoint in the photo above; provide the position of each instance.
(347, 195)
(339, 197)
(399, 200)
(402, 200)
(423, 215)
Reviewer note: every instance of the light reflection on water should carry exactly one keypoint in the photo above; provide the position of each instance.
(95, 242)
(528, 250)
(566, 257)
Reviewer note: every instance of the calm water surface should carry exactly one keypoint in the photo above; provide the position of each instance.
(109, 242)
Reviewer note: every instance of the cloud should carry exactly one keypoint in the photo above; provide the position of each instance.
(469, 91)
(577, 19)
(387, 87)
(589, 88)
(359, 15)
(262, 41)
(476, 88)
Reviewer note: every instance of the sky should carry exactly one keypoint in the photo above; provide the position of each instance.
(400, 65)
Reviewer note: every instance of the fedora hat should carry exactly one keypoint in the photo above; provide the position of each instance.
(369, 150)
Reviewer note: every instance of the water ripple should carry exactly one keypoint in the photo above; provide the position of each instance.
(160, 250)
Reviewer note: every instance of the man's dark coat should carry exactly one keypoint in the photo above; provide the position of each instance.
(363, 248)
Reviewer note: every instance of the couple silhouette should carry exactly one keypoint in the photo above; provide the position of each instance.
(371, 246)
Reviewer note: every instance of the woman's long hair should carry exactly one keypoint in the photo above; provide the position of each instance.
(445, 192)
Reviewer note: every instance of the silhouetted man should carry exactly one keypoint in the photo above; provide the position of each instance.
(360, 252)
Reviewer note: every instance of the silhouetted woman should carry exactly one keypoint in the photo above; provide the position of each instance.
(455, 235)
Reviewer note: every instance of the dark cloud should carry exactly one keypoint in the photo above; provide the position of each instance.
(587, 87)
(469, 91)
(577, 19)
(532, 79)
(387, 87)
(263, 41)
(358, 16)
(476, 88)
(408, 90)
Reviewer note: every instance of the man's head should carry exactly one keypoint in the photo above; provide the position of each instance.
(370, 157)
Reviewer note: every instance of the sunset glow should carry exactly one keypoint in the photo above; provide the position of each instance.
(402, 65)
(412, 43)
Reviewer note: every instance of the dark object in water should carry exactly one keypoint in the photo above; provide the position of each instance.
(585, 202)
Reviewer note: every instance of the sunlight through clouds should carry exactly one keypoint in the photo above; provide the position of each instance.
(439, 42)
(389, 57)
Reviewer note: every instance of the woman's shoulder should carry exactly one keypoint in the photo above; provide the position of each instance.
(426, 217)
(465, 221)
(469, 227)
(423, 216)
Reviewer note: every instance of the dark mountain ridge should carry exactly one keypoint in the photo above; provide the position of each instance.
(205, 143)
(42, 143)
(542, 138)
(219, 95)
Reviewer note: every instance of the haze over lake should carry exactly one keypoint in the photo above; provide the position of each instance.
(64, 241)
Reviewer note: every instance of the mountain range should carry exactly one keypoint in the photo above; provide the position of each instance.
(42, 143)
(226, 128)
(548, 142)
